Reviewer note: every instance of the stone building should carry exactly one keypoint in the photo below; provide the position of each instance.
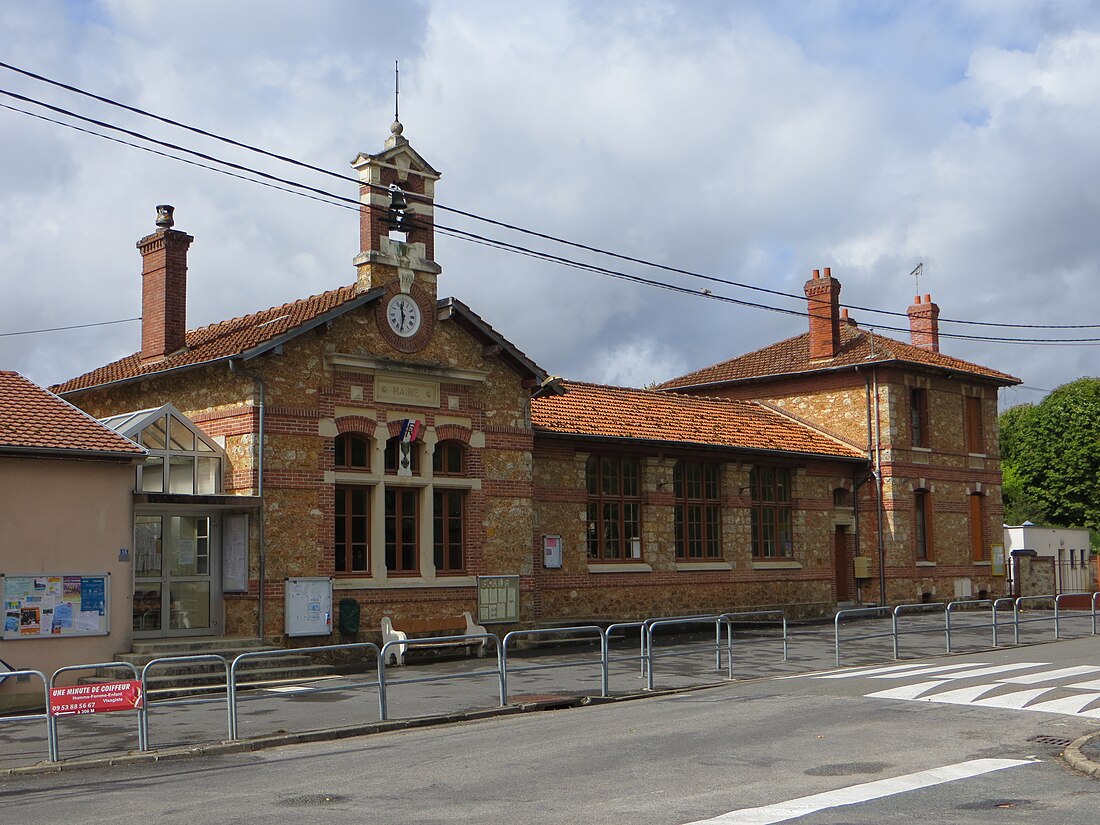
(394, 441)
(932, 508)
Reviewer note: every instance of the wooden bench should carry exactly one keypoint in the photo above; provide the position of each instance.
(444, 625)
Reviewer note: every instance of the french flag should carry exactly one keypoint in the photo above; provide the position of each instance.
(410, 430)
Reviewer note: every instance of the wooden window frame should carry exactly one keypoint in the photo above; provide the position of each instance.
(979, 550)
(448, 509)
(345, 453)
(614, 506)
(975, 432)
(441, 459)
(395, 499)
(344, 530)
(772, 513)
(922, 526)
(697, 513)
(918, 417)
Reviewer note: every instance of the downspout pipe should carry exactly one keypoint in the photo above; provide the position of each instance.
(874, 433)
(236, 369)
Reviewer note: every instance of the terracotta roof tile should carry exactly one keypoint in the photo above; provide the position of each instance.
(648, 415)
(793, 356)
(32, 419)
(221, 340)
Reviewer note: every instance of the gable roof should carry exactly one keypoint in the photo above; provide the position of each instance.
(35, 421)
(596, 411)
(858, 348)
(251, 335)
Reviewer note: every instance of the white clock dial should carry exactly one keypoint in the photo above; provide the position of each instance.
(403, 314)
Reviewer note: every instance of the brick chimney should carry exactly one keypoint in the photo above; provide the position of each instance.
(823, 300)
(163, 288)
(924, 323)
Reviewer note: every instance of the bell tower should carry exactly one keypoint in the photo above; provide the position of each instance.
(396, 217)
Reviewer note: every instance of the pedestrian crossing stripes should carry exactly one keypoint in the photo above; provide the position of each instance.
(1027, 686)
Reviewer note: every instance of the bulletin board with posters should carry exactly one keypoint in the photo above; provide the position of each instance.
(56, 606)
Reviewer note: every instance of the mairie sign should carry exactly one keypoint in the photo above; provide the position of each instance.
(101, 698)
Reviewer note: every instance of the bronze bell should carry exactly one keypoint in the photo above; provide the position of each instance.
(397, 199)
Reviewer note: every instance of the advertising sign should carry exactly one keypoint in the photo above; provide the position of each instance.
(52, 606)
(102, 698)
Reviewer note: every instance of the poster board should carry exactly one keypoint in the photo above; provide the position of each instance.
(308, 606)
(235, 554)
(997, 560)
(497, 599)
(56, 605)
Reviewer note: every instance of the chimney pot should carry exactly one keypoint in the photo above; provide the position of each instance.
(927, 298)
(817, 273)
(828, 272)
(164, 216)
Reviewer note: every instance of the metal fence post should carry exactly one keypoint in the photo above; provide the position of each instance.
(1016, 621)
(894, 630)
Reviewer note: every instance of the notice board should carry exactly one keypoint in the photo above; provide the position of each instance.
(56, 606)
(497, 599)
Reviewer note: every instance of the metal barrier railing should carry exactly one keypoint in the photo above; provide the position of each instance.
(1018, 621)
(1059, 615)
(923, 607)
(437, 641)
(143, 712)
(652, 624)
(954, 607)
(253, 655)
(858, 611)
(51, 718)
(599, 631)
(729, 619)
(997, 603)
(51, 755)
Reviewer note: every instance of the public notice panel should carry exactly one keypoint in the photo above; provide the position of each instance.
(56, 606)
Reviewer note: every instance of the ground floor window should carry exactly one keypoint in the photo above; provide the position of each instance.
(772, 523)
(449, 509)
(352, 529)
(698, 511)
(402, 531)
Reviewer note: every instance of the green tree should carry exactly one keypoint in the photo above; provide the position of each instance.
(1051, 458)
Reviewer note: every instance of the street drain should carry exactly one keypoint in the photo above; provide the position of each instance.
(1057, 741)
(313, 800)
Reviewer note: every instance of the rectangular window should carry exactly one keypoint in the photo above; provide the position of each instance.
(922, 524)
(352, 529)
(975, 441)
(698, 511)
(402, 534)
(614, 508)
(449, 508)
(978, 551)
(918, 417)
(771, 521)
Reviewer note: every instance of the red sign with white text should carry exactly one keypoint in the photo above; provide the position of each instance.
(95, 698)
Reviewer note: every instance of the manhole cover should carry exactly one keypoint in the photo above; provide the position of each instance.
(1057, 741)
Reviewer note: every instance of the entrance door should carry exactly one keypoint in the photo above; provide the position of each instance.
(177, 591)
(843, 564)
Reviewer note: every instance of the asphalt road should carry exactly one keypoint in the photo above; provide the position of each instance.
(947, 745)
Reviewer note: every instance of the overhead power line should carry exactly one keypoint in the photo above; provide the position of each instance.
(71, 326)
(336, 199)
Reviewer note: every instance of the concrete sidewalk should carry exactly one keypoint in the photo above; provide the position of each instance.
(546, 678)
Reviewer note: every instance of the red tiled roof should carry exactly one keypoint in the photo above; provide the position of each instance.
(33, 419)
(648, 415)
(857, 348)
(221, 340)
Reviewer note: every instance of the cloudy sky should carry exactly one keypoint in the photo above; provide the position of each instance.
(751, 141)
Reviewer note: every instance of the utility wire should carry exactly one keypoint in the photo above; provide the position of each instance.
(474, 216)
(73, 326)
(349, 203)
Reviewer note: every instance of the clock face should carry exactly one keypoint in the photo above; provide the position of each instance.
(403, 314)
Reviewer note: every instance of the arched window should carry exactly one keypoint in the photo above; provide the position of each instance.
(842, 497)
(449, 459)
(402, 457)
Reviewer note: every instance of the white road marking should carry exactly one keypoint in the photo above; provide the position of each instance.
(990, 671)
(907, 691)
(872, 671)
(289, 689)
(1015, 700)
(1093, 684)
(1069, 704)
(855, 794)
(927, 671)
(961, 696)
(1050, 675)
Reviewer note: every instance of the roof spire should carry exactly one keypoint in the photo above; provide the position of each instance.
(396, 129)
